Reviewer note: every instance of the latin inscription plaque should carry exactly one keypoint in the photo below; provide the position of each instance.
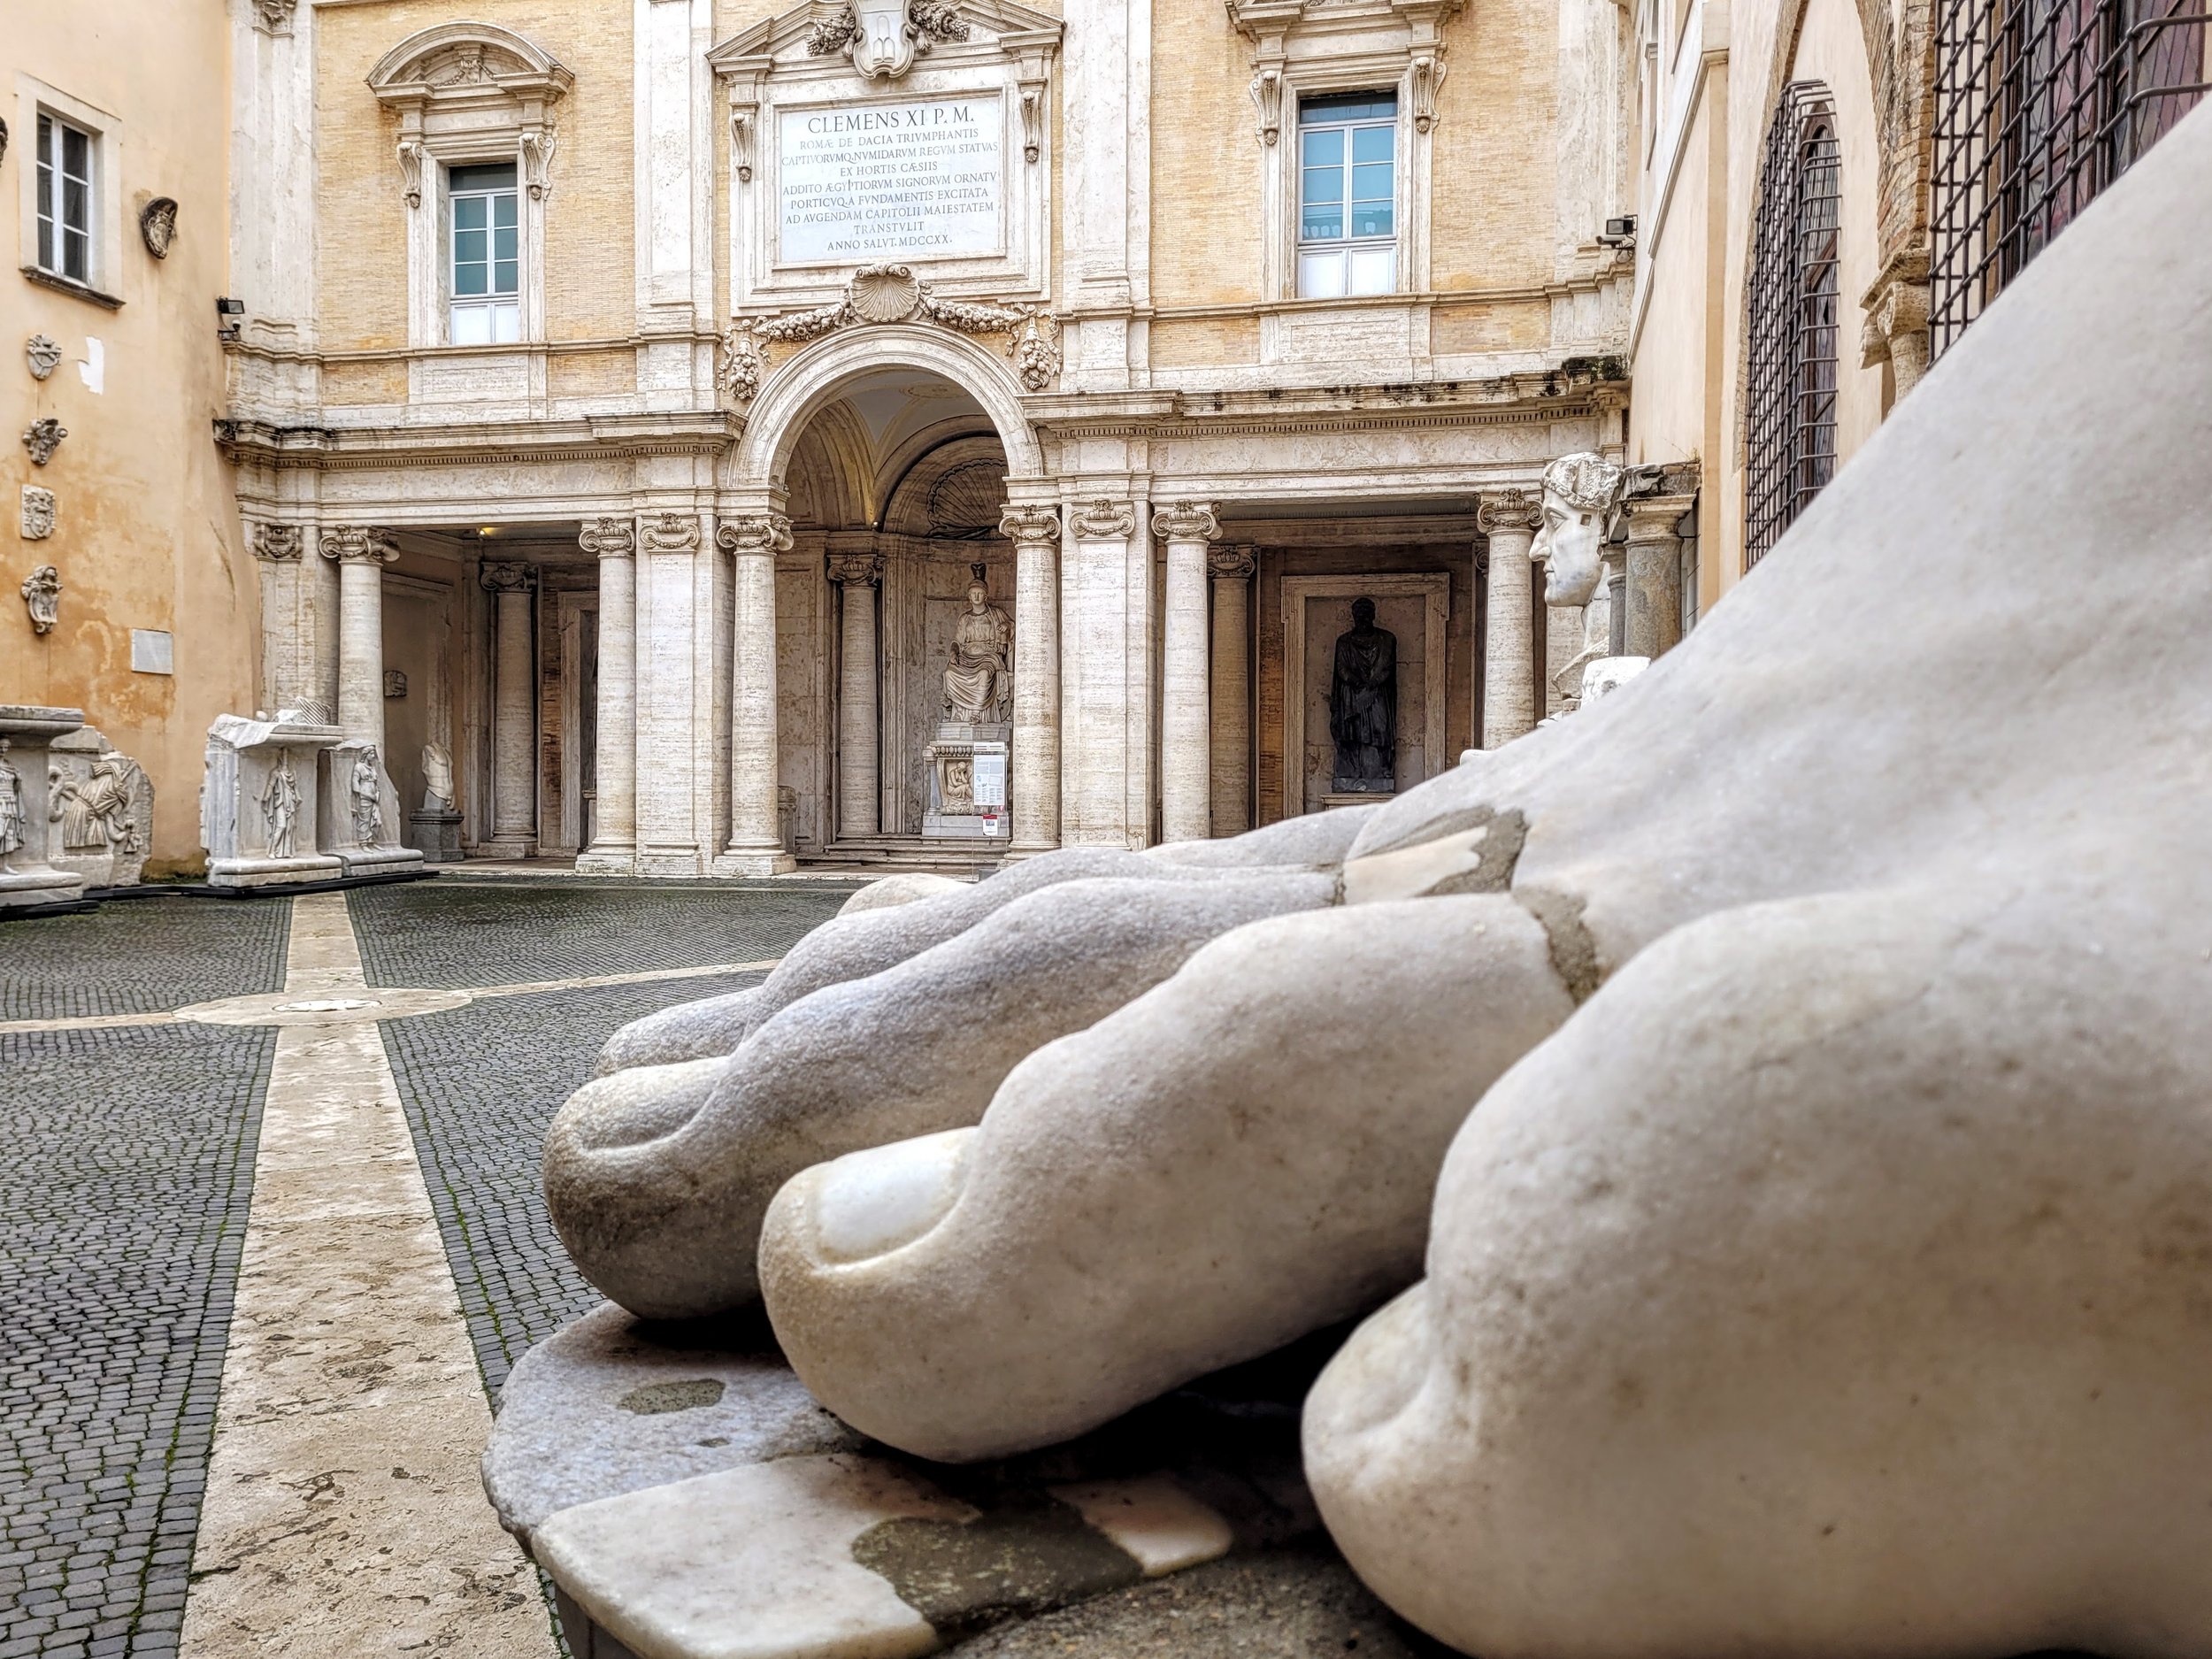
(882, 182)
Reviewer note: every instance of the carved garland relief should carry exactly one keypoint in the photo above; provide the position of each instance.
(894, 293)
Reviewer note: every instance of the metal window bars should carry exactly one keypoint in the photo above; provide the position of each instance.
(1795, 323)
(2040, 104)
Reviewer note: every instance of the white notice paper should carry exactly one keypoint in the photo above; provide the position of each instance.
(891, 182)
(990, 780)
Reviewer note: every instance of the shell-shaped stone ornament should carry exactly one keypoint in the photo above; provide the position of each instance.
(884, 293)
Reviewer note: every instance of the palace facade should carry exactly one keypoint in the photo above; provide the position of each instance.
(622, 400)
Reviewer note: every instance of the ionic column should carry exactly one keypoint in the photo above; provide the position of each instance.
(1508, 518)
(361, 554)
(1653, 571)
(1232, 693)
(614, 830)
(859, 783)
(1186, 728)
(514, 712)
(756, 842)
(1034, 788)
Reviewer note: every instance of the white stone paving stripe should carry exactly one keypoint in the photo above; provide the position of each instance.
(343, 1514)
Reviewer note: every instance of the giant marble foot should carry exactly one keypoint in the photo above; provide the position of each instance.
(656, 1176)
(1981, 649)
(1833, 1285)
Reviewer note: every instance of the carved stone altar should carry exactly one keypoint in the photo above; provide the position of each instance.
(260, 807)
(29, 875)
(101, 806)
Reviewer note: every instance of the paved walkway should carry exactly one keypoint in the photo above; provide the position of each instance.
(290, 1150)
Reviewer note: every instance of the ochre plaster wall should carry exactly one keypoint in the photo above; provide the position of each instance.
(147, 535)
(1494, 184)
(590, 288)
(1207, 166)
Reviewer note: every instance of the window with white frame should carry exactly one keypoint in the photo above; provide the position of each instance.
(484, 262)
(1348, 193)
(66, 183)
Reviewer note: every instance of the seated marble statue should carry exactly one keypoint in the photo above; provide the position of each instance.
(979, 679)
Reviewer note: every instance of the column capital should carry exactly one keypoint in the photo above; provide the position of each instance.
(1104, 519)
(668, 532)
(508, 576)
(1185, 521)
(1507, 512)
(1028, 524)
(347, 543)
(1240, 561)
(279, 543)
(609, 538)
(864, 570)
(757, 532)
(1653, 517)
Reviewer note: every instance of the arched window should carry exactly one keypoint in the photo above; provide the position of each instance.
(1790, 416)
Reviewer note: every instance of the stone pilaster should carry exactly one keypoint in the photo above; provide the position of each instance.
(514, 711)
(361, 554)
(1509, 518)
(1657, 499)
(1231, 699)
(613, 848)
(1186, 725)
(859, 776)
(1106, 666)
(1034, 788)
(755, 846)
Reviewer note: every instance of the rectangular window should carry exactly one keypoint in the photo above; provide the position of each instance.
(65, 199)
(1348, 195)
(484, 270)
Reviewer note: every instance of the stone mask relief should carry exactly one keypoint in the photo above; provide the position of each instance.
(158, 226)
(43, 437)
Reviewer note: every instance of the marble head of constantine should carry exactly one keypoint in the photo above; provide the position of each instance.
(1580, 491)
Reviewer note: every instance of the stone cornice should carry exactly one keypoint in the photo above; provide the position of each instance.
(591, 438)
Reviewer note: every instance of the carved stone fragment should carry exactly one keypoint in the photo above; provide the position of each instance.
(43, 437)
(37, 522)
(43, 354)
(41, 593)
(158, 226)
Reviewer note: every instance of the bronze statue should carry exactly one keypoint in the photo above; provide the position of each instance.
(1363, 706)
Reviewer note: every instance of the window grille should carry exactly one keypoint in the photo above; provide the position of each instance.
(1791, 416)
(2040, 104)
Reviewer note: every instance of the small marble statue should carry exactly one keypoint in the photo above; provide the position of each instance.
(1363, 706)
(281, 806)
(10, 805)
(365, 785)
(978, 679)
(437, 778)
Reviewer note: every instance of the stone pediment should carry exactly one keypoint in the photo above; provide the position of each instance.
(818, 32)
(463, 60)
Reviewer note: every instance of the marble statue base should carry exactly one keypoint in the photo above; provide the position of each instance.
(436, 835)
(968, 769)
(29, 878)
(1356, 797)
(690, 1498)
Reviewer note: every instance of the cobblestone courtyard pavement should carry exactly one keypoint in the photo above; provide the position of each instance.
(272, 1238)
